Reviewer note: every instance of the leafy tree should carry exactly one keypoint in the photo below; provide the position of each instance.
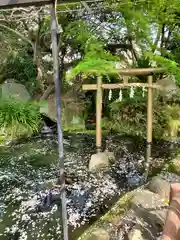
(96, 62)
(132, 32)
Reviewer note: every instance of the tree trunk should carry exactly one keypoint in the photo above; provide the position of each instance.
(47, 92)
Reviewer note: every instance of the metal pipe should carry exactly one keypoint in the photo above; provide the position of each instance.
(59, 122)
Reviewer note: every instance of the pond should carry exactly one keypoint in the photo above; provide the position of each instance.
(30, 201)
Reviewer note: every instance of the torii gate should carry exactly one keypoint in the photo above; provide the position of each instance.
(25, 3)
(125, 73)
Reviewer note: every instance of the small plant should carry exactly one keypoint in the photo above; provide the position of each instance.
(18, 118)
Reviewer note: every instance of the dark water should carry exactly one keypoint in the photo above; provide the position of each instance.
(28, 171)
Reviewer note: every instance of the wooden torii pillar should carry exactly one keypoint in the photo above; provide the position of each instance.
(125, 73)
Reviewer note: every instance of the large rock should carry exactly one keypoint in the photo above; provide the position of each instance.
(10, 89)
(72, 110)
(138, 215)
(99, 234)
(150, 213)
(100, 160)
(135, 234)
(49, 109)
(160, 186)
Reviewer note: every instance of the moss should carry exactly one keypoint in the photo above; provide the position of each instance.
(76, 128)
(83, 131)
(118, 209)
(174, 166)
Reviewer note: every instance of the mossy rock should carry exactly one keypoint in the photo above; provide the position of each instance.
(99, 234)
(174, 166)
(72, 112)
(10, 88)
(111, 218)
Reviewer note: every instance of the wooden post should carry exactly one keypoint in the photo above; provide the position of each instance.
(125, 79)
(149, 124)
(98, 114)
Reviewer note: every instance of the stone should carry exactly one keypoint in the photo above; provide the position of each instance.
(150, 213)
(49, 109)
(170, 177)
(99, 161)
(72, 110)
(134, 179)
(110, 155)
(139, 215)
(12, 89)
(135, 234)
(160, 186)
(99, 234)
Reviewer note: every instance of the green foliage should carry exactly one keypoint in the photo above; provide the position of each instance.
(171, 66)
(164, 11)
(77, 34)
(130, 117)
(96, 62)
(18, 118)
(21, 68)
(174, 166)
(135, 14)
(172, 116)
(136, 29)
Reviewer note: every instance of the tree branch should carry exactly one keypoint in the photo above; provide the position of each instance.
(18, 34)
(47, 92)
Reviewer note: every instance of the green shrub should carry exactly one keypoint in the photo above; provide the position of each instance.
(21, 68)
(130, 117)
(18, 118)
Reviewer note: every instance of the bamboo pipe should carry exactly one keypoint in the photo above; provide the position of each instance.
(98, 114)
(149, 109)
(149, 125)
